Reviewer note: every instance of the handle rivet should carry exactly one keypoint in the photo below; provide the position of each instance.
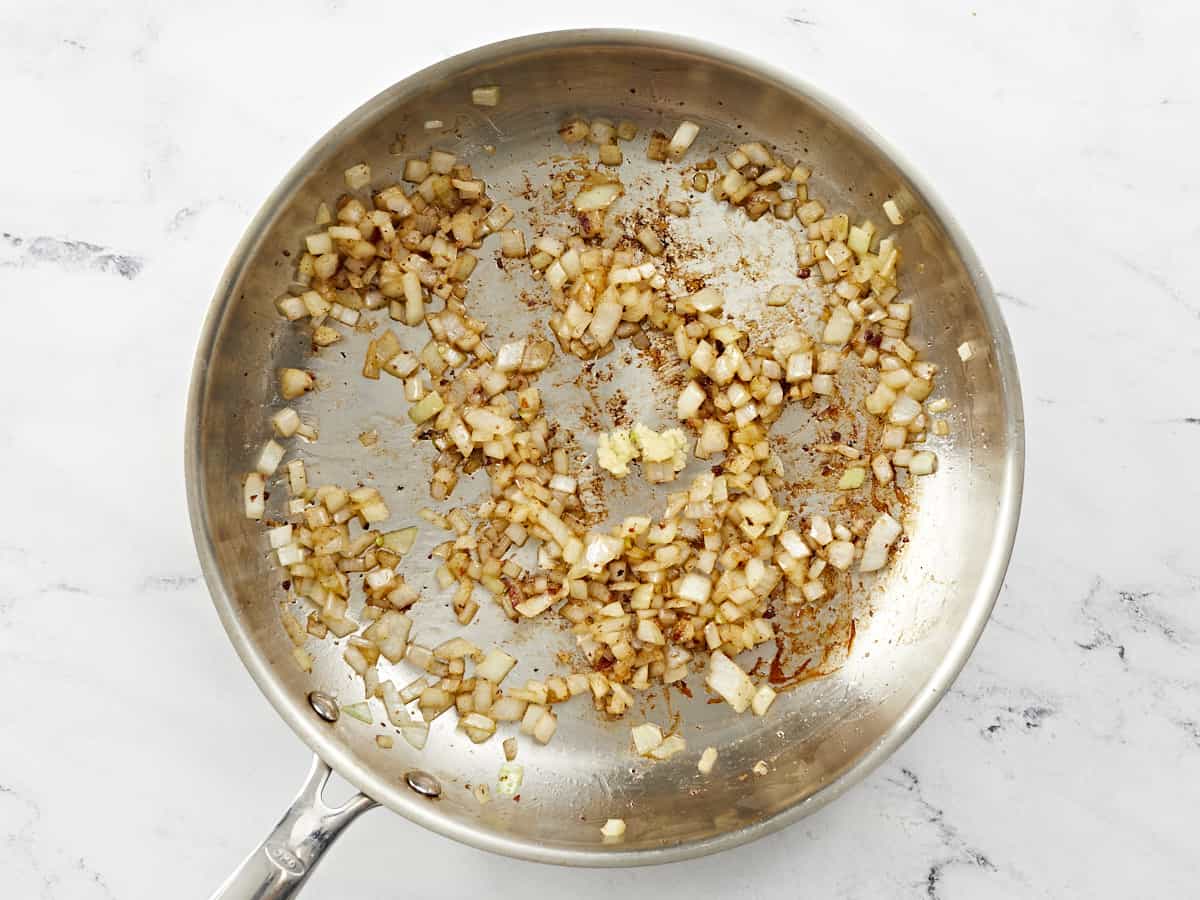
(324, 706)
(424, 783)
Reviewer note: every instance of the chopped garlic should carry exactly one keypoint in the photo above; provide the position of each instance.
(760, 768)
(708, 759)
(618, 448)
(670, 445)
(615, 452)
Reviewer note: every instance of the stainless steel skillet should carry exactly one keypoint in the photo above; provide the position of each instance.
(821, 737)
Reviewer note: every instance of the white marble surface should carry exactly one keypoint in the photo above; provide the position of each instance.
(137, 759)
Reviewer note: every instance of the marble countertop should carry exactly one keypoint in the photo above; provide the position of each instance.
(137, 758)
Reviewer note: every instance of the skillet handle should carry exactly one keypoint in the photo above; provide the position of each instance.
(281, 864)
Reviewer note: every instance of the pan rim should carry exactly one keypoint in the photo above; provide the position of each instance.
(418, 810)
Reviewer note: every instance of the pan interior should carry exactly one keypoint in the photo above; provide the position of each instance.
(913, 632)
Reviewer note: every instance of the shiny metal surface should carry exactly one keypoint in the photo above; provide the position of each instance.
(324, 706)
(423, 783)
(280, 865)
(821, 737)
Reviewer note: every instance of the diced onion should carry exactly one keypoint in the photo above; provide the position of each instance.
(904, 410)
(599, 196)
(495, 666)
(613, 829)
(651, 241)
(399, 541)
(280, 536)
(601, 131)
(794, 545)
(728, 680)
(706, 300)
(509, 709)
(360, 711)
(294, 382)
(478, 727)
(695, 588)
(512, 243)
(564, 483)
(600, 550)
(510, 778)
(319, 244)
(253, 489)
(923, 463)
(646, 737)
(286, 422)
(883, 533)
(416, 733)
(839, 328)
(781, 294)
(358, 176)
(291, 307)
(684, 135)
(605, 320)
(690, 400)
(762, 700)
(852, 479)
(840, 554)
(269, 458)
(642, 597)
(545, 727)
(486, 96)
(671, 745)
(426, 408)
